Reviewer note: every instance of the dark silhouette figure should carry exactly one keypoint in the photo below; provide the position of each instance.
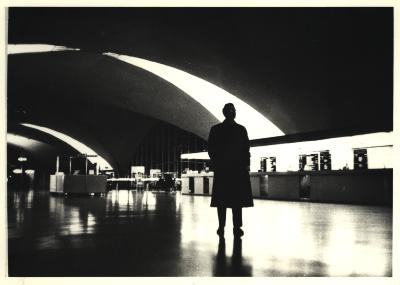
(228, 147)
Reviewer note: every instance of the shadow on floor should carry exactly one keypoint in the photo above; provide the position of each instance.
(236, 266)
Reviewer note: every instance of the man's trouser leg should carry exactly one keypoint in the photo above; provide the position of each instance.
(221, 217)
(237, 217)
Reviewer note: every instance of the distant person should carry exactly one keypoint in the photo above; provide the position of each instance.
(228, 147)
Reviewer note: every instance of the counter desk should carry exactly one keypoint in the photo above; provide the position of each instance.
(79, 184)
(369, 187)
(197, 183)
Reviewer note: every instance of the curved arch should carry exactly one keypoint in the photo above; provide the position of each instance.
(26, 143)
(210, 96)
(40, 154)
(80, 147)
(33, 48)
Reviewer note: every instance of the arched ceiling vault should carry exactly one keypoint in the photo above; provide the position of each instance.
(76, 78)
(40, 148)
(304, 69)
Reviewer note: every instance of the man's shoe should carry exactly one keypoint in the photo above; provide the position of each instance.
(238, 232)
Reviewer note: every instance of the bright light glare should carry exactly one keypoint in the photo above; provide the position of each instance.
(24, 142)
(195, 155)
(34, 48)
(29, 171)
(80, 147)
(149, 200)
(378, 145)
(212, 97)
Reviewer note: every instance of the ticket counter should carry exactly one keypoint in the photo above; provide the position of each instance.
(370, 187)
(197, 183)
(82, 184)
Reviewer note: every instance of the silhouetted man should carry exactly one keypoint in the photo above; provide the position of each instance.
(228, 147)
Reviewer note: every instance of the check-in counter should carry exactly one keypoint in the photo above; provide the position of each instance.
(275, 185)
(361, 187)
(82, 184)
(197, 183)
(371, 187)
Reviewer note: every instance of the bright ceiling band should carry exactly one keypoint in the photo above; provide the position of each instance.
(80, 147)
(210, 96)
(35, 48)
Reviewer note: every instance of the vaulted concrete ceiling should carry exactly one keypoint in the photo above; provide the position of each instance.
(303, 69)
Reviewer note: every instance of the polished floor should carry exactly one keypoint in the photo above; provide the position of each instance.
(130, 233)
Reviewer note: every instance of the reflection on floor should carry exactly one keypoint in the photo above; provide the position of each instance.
(130, 233)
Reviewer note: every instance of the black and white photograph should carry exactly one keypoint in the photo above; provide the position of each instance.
(199, 141)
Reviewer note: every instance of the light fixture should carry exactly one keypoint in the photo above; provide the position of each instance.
(29, 171)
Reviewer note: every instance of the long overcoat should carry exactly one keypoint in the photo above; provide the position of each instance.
(228, 148)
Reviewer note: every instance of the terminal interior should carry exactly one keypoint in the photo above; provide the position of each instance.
(108, 116)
